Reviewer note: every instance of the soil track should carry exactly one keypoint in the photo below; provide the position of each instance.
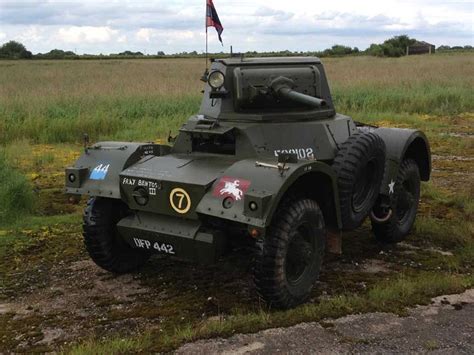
(82, 301)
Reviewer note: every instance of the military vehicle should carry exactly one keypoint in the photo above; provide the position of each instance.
(267, 160)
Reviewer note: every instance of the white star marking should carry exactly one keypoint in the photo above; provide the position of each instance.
(391, 187)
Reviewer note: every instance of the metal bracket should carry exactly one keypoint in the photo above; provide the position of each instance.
(281, 167)
(334, 242)
(99, 147)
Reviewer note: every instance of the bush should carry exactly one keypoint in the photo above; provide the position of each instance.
(376, 50)
(57, 54)
(393, 47)
(16, 194)
(339, 50)
(14, 50)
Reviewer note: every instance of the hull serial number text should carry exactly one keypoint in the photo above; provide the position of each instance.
(146, 244)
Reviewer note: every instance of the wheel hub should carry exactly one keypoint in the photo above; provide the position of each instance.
(299, 256)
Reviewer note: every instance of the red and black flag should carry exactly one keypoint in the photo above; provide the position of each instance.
(212, 19)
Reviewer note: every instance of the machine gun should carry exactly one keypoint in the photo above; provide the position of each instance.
(282, 87)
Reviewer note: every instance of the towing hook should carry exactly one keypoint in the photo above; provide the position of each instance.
(383, 219)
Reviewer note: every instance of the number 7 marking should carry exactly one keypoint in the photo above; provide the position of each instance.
(184, 201)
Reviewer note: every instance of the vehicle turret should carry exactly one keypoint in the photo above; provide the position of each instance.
(267, 89)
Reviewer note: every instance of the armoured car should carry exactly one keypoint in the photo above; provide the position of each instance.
(266, 160)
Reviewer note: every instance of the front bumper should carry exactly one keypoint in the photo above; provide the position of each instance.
(172, 235)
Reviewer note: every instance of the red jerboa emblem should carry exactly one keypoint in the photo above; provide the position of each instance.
(231, 187)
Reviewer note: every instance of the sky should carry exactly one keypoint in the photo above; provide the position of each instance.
(175, 26)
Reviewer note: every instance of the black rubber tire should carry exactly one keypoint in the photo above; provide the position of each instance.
(101, 238)
(359, 165)
(289, 258)
(404, 204)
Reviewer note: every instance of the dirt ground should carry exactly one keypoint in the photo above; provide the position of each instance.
(78, 300)
(445, 326)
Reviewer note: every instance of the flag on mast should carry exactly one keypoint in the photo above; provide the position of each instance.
(212, 19)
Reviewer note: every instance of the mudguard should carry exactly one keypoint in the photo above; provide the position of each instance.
(262, 185)
(97, 171)
(401, 144)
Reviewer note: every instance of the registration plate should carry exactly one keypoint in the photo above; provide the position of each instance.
(158, 246)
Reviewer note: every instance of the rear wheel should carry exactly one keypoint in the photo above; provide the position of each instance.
(290, 257)
(359, 165)
(101, 238)
(404, 205)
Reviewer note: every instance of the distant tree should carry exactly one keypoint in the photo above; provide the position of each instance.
(444, 48)
(161, 53)
(397, 46)
(130, 54)
(336, 50)
(57, 54)
(390, 50)
(402, 42)
(393, 47)
(14, 50)
(340, 50)
(376, 50)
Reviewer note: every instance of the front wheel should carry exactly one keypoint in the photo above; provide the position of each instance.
(290, 256)
(101, 238)
(404, 205)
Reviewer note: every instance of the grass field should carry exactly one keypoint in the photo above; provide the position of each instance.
(57, 101)
(53, 298)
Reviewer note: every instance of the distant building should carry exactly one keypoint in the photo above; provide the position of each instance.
(421, 47)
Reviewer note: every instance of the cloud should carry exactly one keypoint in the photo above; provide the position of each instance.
(122, 39)
(275, 14)
(160, 36)
(350, 25)
(124, 14)
(174, 26)
(144, 34)
(85, 34)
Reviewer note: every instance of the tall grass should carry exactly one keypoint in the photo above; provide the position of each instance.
(57, 101)
(16, 195)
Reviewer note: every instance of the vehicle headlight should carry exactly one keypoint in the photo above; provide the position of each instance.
(216, 80)
(140, 195)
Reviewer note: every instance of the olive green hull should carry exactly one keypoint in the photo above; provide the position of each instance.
(269, 131)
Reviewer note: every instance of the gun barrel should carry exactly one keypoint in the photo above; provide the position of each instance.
(301, 98)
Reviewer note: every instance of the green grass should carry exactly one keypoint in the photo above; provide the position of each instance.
(17, 199)
(113, 346)
(460, 202)
(124, 119)
(51, 102)
(431, 98)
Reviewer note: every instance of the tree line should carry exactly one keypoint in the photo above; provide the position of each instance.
(393, 47)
